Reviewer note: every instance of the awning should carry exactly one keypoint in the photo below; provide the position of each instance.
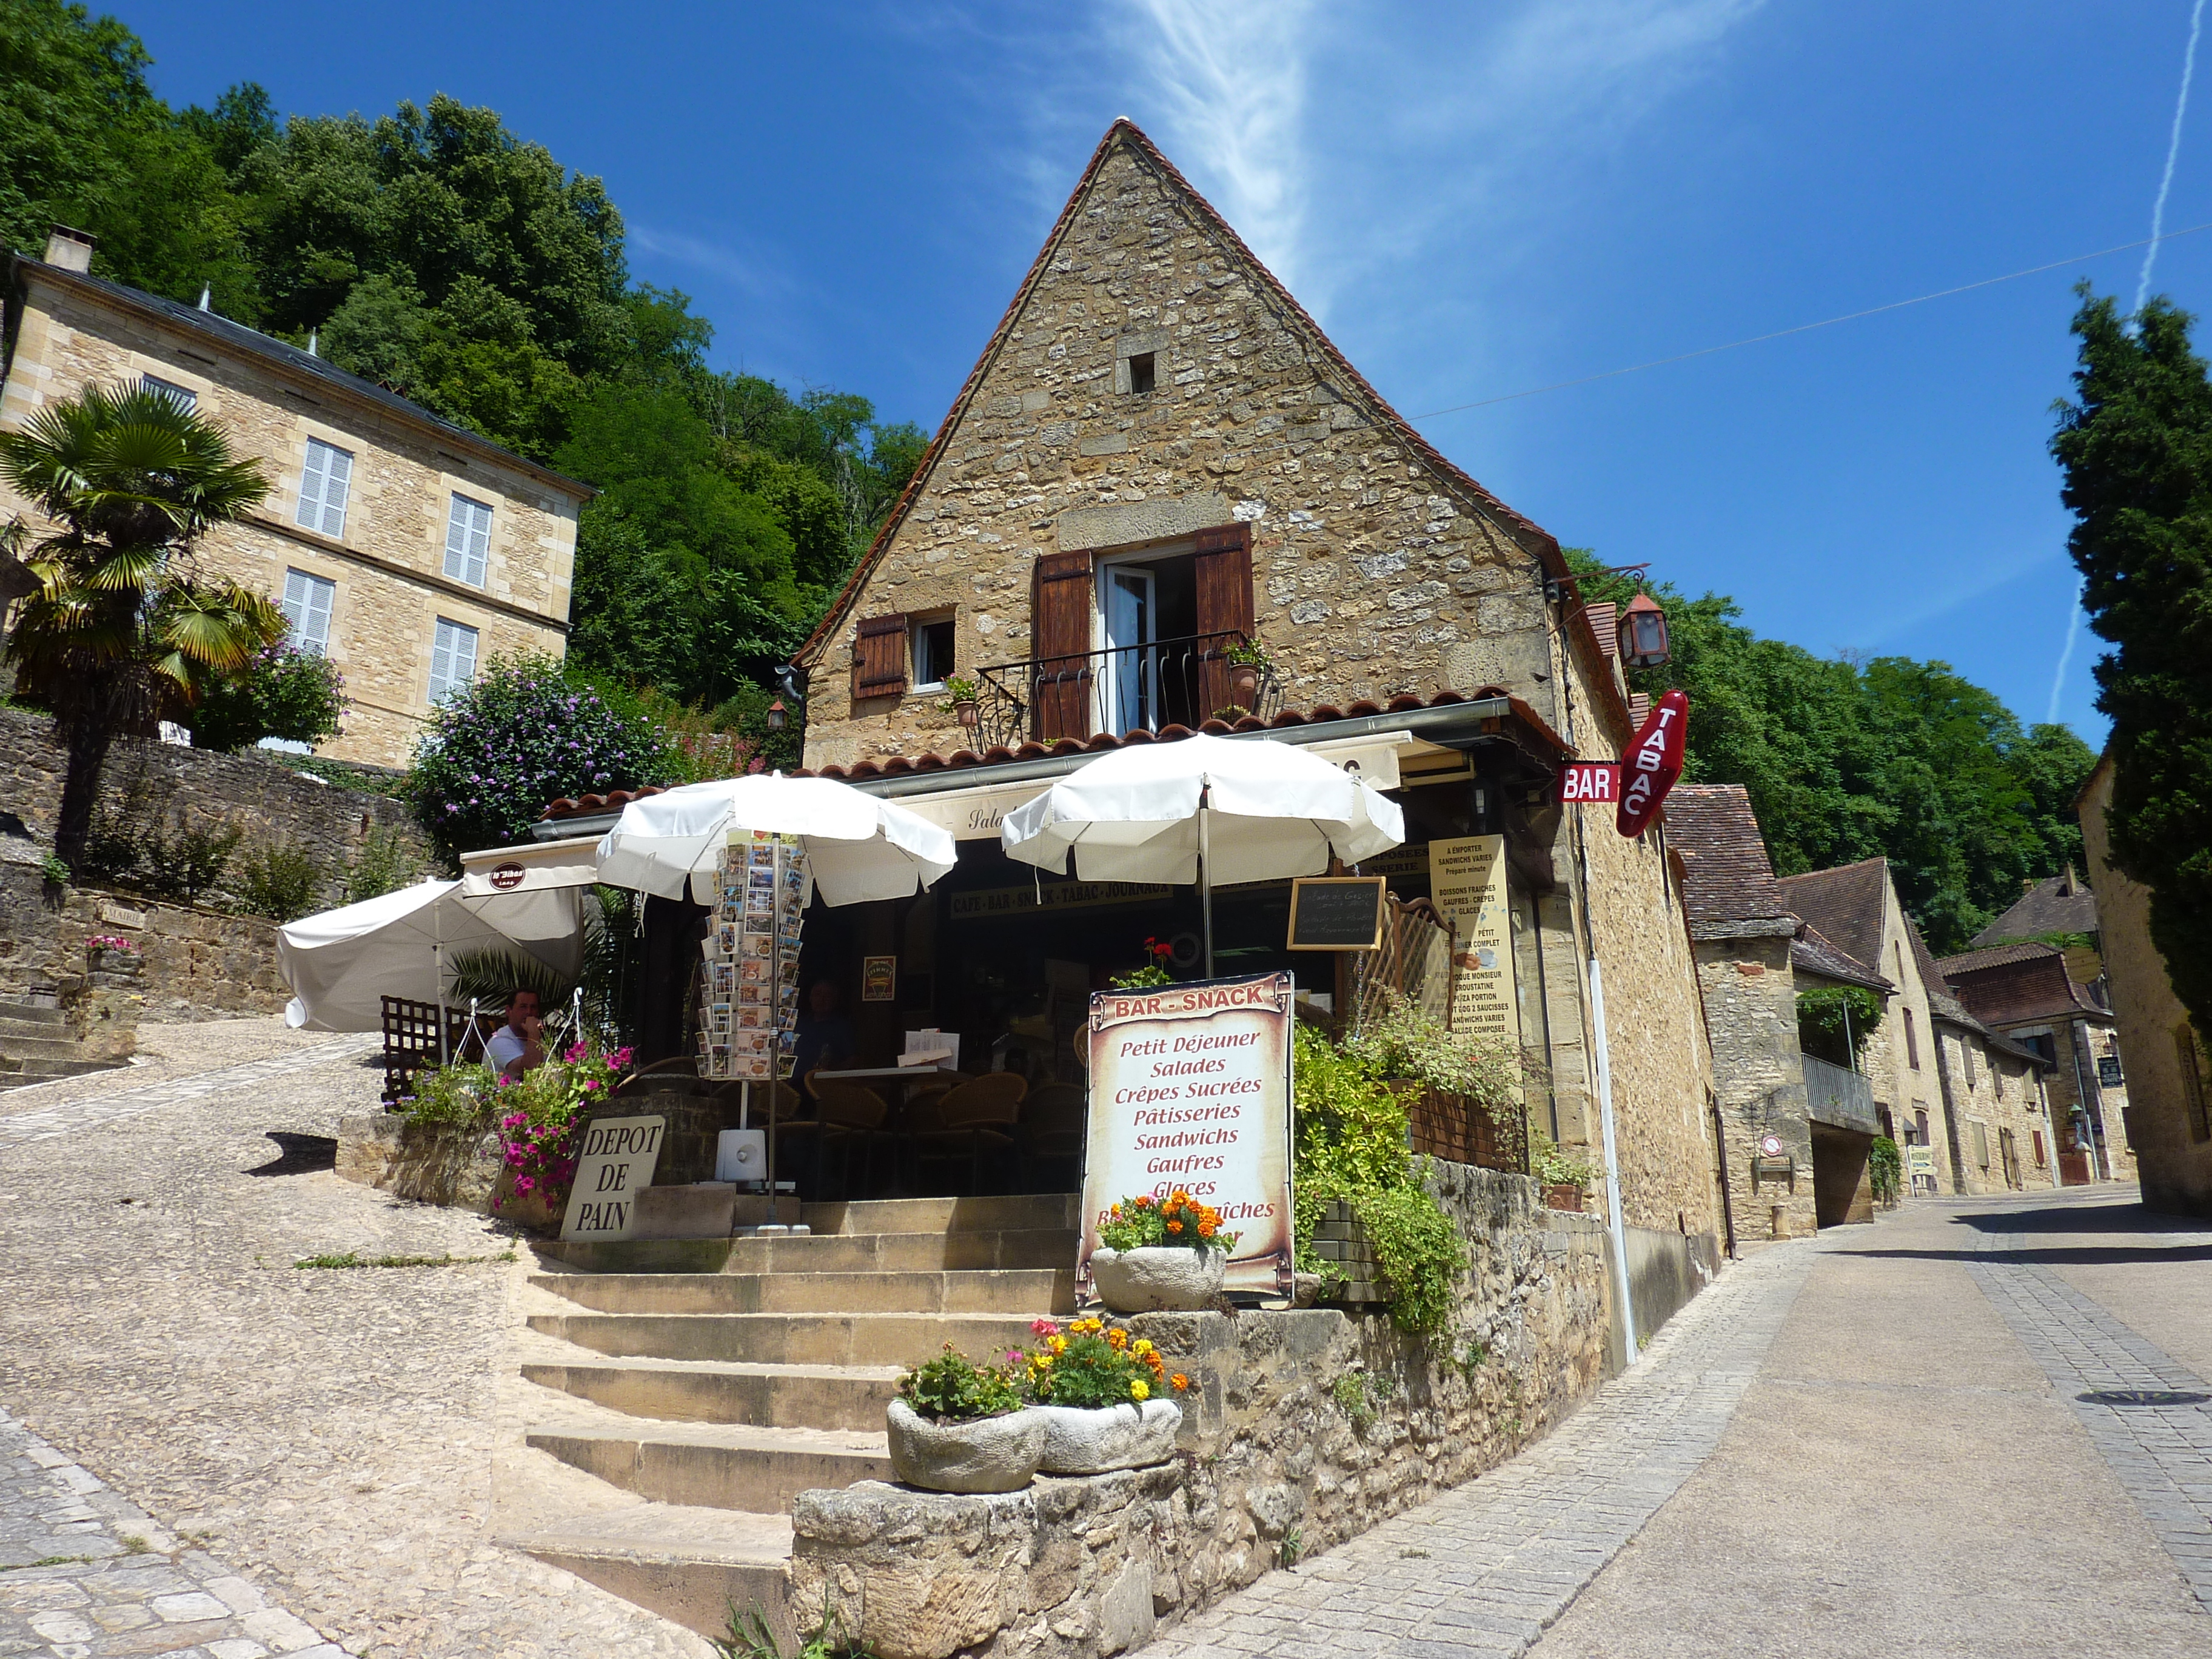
(534, 868)
(975, 812)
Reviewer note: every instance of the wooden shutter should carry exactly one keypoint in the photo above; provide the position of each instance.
(1225, 606)
(879, 656)
(1060, 627)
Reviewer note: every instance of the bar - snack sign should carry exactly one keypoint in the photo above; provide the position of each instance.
(1190, 1090)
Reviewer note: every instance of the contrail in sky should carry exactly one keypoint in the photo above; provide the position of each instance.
(2172, 151)
(2073, 628)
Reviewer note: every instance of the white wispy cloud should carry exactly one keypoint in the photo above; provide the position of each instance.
(680, 247)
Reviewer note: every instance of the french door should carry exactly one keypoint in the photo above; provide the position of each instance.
(1131, 679)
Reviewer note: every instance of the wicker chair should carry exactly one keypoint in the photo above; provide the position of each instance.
(845, 1115)
(973, 1116)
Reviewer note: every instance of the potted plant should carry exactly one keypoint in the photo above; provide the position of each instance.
(1564, 1176)
(1106, 1400)
(1158, 1254)
(1154, 972)
(112, 953)
(963, 697)
(1246, 661)
(958, 1427)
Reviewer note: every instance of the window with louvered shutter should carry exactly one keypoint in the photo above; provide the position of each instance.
(453, 659)
(468, 541)
(183, 396)
(879, 656)
(1060, 624)
(324, 486)
(307, 607)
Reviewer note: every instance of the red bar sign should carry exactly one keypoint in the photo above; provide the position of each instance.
(1590, 780)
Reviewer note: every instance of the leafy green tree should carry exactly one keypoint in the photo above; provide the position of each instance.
(296, 695)
(2136, 449)
(124, 627)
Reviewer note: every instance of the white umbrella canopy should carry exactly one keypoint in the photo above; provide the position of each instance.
(1203, 808)
(342, 964)
(857, 848)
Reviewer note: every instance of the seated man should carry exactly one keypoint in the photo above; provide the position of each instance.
(519, 1046)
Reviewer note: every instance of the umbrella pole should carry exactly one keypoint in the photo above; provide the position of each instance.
(1205, 879)
(438, 965)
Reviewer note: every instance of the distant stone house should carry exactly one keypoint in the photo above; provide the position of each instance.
(2025, 992)
(2169, 1064)
(1162, 502)
(2059, 910)
(1862, 929)
(405, 548)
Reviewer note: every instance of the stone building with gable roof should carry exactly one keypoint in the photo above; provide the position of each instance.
(1164, 501)
(405, 548)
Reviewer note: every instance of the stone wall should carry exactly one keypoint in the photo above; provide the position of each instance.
(2168, 1068)
(1302, 1429)
(1751, 1012)
(1902, 1069)
(167, 786)
(387, 560)
(195, 962)
(1997, 1093)
(454, 1164)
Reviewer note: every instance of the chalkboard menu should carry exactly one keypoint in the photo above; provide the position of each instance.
(1336, 913)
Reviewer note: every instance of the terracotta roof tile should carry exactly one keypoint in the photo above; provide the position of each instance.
(1728, 876)
(2017, 984)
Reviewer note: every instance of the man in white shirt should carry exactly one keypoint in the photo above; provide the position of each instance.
(519, 1046)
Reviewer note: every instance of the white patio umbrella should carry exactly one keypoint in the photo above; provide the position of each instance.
(1203, 808)
(342, 964)
(857, 848)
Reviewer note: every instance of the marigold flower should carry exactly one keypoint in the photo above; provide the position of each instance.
(1139, 1390)
(1117, 1339)
(1205, 1230)
(1179, 1381)
(1142, 1344)
(1175, 1226)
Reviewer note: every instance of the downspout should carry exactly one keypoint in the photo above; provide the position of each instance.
(1612, 1157)
(1950, 1112)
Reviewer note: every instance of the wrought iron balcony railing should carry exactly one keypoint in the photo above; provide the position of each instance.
(1122, 689)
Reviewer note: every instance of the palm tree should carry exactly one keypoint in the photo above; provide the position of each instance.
(122, 627)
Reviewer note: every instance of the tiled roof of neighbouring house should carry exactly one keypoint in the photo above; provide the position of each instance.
(2016, 984)
(222, 331)
(1811, 952)
(2056, 904)
(1728, 876)
(1532, 724)
(1845, 904)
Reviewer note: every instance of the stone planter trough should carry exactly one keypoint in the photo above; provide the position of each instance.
(1158, 1278)
(991, 1454)
(1087, 1440)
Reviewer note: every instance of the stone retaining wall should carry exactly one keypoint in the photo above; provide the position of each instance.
(1301, 1429)
(456, 1166)
(193, 962)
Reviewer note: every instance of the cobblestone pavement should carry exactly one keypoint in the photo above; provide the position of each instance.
(330, 1437)
(1483, 1570)
(85, 1574)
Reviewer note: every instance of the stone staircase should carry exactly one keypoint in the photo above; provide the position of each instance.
(717, 1392)
(37, 1045)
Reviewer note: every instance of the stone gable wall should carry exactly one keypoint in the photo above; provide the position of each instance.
(389, 564)
(1973, 1072)
(1751, 1011)
(1887, 1060)
(1373, 576)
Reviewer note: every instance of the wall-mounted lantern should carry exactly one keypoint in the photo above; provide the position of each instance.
(777, 714)
(1642, 633)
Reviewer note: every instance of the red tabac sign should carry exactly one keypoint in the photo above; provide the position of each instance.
(1597, 781)
(1653, 761)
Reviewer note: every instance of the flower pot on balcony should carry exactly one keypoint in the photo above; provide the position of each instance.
(982, 1454)
(1087, 1440)
(969, 714)
(1156, 1278)
(1244, 684)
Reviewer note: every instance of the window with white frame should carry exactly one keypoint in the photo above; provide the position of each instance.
(183, 396)
(932, 652)
(324, 485)
(453, 660)
(308, 608)
(468, 540)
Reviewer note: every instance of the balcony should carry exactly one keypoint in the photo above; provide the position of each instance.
(1841, 1099)
(1180, 682)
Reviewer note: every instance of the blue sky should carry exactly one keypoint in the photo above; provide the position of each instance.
(1474, 200)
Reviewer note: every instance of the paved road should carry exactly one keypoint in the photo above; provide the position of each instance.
(1868, 1444)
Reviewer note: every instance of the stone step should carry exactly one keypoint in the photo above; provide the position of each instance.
(1024, 1212)
(849, 1397)
(688, 1563)
(922, 1252)
(774, 1339)
(996, 1290)
(13, 1011)
(45, 1046)
(51, 1071)
(722, 1466)
(18, 1026)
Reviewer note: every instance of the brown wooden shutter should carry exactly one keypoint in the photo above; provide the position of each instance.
(1060, 625)
(1225, 606)
(879, 656)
